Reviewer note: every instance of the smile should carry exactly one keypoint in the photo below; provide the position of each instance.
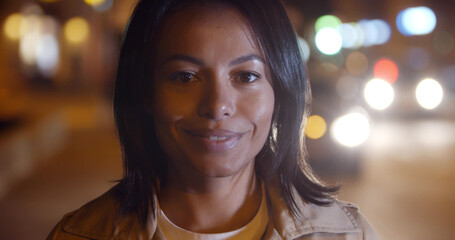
(213, 140)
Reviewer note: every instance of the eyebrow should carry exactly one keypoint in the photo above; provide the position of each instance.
(239, 60)
(183, 57)
(246, 58)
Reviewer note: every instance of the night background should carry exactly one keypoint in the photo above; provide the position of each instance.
(382, 122)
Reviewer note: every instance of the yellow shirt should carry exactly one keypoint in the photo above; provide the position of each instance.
(252, 230)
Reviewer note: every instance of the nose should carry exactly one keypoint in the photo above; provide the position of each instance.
(218, 101)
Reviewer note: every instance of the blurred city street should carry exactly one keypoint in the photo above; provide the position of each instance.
(87, 165)
(382, 123)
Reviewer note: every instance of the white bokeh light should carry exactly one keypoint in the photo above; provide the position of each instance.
(384, 30)
(27, 46)
(416, 21)
(379, 94)
(371, 33)
(328, 41)
(47, 54)
(350, 35)
(304, 49)
(351, 129)
(429, 93)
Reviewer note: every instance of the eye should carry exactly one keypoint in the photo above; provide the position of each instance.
(183, 77)
(248, 77)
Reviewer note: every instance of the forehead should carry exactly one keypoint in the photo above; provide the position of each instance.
(206, 28)
(206, 15)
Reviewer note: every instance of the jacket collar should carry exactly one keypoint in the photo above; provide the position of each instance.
(334, 218)
(97, 219)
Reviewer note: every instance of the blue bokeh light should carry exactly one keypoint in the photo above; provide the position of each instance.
(416, 21)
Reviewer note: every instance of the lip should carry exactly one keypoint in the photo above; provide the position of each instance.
(214, 140)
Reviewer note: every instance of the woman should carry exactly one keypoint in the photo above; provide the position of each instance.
(209, 103)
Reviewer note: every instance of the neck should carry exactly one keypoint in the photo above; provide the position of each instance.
(211, 204)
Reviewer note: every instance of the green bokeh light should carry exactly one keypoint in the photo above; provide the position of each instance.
(327, 21)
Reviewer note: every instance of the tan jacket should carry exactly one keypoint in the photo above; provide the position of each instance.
(340, 221)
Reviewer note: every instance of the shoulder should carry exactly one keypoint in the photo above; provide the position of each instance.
(95, 220)
(337, 219)
(358, 220)
(341, 219)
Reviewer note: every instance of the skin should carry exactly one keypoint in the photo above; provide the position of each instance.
(210, 80)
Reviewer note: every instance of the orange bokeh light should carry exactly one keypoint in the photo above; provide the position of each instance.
(387, 70)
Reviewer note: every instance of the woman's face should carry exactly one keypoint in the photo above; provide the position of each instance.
(213, 99)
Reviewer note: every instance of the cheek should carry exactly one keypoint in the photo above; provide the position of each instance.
(260, 110)
(169, 107)
(167, 110)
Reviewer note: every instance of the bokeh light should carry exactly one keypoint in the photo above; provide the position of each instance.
(38, 45)
(328, 41)
(371, 33)
(386, 69)
(443, 42)
(27, 48)
(351, 129)
(47, 54)
(31, 8)
(352, 35)
(416, 21)
(315, 127)
(384, 30)
(31, 29)
(417, 58)
(356, 63)
(76, 30)
(104, 6)
(365, 33)
(94, 2)
(429, 93)
(12, 26)
(304, 49)
(379, 94)
(327, 21)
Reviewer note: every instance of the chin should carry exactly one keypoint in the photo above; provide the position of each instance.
(222, 167)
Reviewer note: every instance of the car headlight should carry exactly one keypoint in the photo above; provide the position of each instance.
(351, 129)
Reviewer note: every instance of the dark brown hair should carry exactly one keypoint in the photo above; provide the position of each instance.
(284, 154)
